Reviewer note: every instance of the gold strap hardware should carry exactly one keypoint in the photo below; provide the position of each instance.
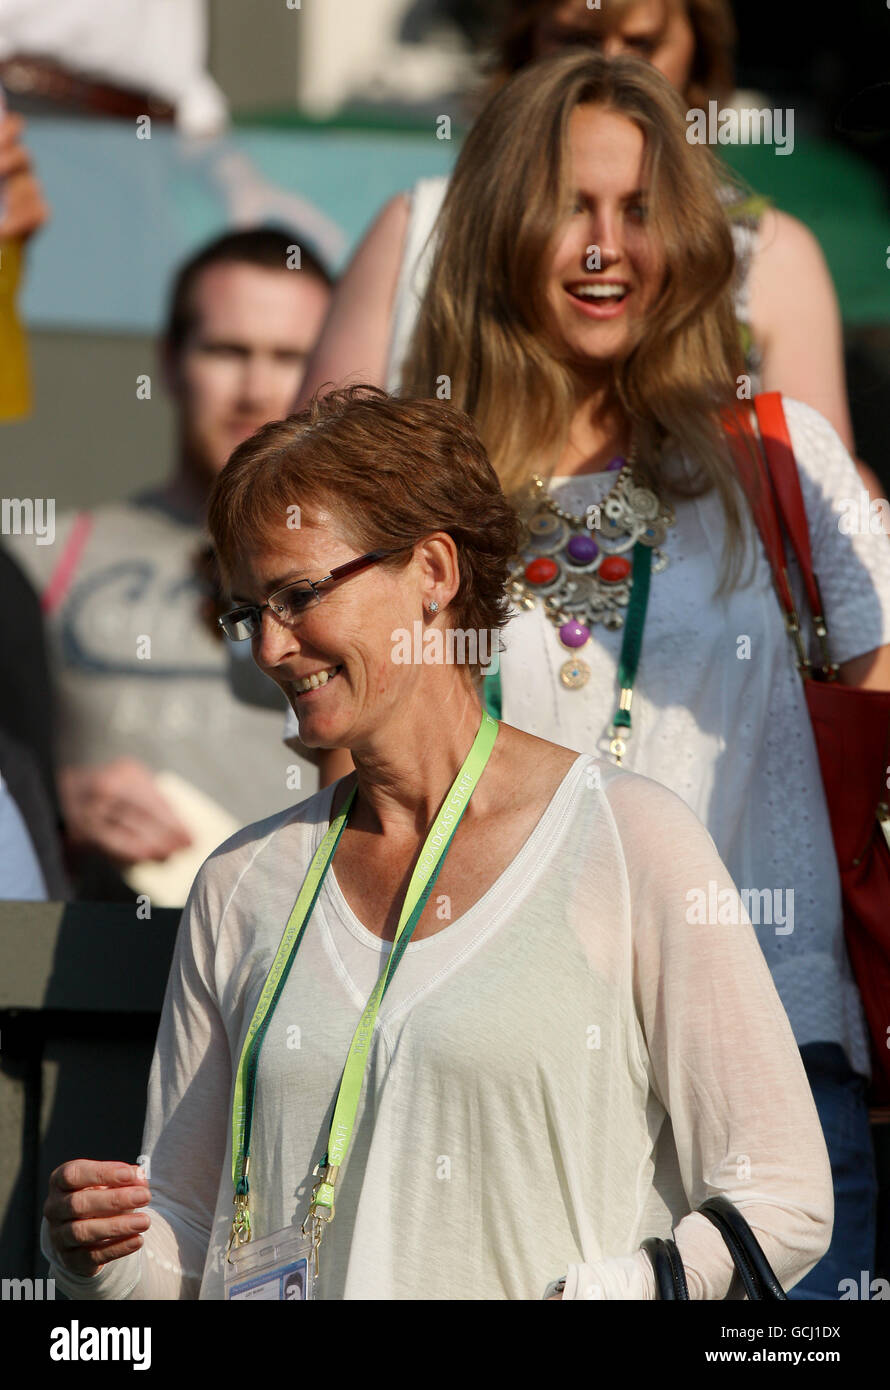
(829, 667)
(793, 627)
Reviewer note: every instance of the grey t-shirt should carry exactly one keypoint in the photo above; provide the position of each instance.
(138, 672)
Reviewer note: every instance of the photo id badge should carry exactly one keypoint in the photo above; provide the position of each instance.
(279, 1266)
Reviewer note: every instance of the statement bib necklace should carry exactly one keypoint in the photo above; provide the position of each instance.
(579, 568)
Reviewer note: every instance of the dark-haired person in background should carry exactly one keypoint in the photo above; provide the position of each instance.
(239, 329)
(30, 850)
(27, 770)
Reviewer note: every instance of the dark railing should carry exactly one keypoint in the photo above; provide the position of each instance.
(81, 989)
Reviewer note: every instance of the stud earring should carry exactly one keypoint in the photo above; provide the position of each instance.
(433, 606)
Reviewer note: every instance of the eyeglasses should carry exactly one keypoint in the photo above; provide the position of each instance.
(290, 603)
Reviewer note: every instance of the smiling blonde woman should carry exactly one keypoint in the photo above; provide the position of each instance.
(784, 299)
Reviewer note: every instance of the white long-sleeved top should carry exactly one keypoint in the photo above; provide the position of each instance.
(570, 1066)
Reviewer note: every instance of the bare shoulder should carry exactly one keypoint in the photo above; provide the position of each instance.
(379, 251)
(355, 338)
(787, 245)
(535, 765)
(386, 234)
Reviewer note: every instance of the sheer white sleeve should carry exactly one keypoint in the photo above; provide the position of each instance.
(721, 1058)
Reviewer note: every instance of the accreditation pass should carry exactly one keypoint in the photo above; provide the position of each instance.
(274, 1267)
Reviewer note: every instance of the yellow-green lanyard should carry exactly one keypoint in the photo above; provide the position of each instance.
(424, 876)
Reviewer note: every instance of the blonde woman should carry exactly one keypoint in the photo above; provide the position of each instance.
(572, 371)
(783, 294)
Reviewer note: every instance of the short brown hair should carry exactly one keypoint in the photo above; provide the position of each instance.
(391, 471)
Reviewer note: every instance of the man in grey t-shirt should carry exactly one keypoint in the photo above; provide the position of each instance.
(142, 678)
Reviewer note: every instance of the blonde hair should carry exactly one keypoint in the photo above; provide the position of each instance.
(481, 322)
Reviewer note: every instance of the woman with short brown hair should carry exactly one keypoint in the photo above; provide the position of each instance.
(565, 1062)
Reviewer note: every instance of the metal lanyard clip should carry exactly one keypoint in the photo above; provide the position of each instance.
(322, 1204)
(240, 1222)
(321, 1207)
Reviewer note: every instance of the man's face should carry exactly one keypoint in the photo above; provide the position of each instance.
(244, 358)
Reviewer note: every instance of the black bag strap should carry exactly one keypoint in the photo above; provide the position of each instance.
(667, 1283)
(754, 1268)
(677, 1270)
(758, 1279)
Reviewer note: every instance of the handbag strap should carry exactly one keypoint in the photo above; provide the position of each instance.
(758, 458)
(785, 479)
(754, 1268)
(677, 1270)
(754, 477)
(63, 575)
(786, 483)
(670, 1276)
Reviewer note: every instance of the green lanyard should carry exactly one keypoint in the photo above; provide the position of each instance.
(424, 876)
(630, 647)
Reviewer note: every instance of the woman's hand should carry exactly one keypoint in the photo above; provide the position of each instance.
(94, 1214)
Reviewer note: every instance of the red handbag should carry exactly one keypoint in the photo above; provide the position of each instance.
(851, 726)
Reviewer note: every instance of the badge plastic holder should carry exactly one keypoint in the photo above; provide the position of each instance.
(279, 1266)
